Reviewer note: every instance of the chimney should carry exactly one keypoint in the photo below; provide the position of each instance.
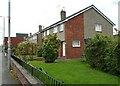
(40, 28)
(30, 34)
(63, 14)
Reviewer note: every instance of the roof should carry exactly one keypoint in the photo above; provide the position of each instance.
(78, 13)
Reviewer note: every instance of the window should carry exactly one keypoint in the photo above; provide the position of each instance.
(98, 27)
(61, 27)
(76, 44)
(44, 33)
(48, 32)
(55, 30)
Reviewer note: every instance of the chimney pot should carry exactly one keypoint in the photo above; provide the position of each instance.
(63, 14)
(30, 34)
(40, 28)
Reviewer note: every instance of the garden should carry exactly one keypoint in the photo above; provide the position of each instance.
(100, 64)
(75, 72)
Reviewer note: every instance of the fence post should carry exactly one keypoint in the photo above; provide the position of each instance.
(32, 70)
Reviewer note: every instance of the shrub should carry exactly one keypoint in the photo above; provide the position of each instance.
(39, 54)
(101, 53)
(50, 48)
(26, 49)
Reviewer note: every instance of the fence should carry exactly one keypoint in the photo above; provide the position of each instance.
(38, 73)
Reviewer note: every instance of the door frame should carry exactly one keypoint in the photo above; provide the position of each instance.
(63, 49)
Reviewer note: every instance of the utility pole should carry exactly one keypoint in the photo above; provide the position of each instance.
(4, 35)
(119, 15)
(9, 41)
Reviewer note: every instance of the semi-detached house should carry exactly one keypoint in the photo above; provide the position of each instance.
(74, 29)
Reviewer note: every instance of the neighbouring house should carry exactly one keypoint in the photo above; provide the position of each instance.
(15, 40)
(75, 29)
(33, 38)
(24, 35)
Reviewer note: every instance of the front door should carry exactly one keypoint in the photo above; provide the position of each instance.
(63, 49)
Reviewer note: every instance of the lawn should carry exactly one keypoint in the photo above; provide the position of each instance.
(75, 72)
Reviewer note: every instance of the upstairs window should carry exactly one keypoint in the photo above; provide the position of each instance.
(55, 30)
(76, 44)
(61, 27)
(98, 27)
(44, 33)
(48, 32)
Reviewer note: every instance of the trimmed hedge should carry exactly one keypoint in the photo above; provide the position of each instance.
(102, 53)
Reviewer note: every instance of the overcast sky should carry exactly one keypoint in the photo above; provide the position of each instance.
(26, 15)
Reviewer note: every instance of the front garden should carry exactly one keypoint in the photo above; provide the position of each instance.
(75, 72)
(100, 67)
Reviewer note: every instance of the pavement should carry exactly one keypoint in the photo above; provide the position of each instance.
(6, 75)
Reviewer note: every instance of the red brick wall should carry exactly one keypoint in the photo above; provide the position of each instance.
(60, 50)
(74, 30)
(14, 41)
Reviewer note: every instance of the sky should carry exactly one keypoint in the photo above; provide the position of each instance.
(27, 15)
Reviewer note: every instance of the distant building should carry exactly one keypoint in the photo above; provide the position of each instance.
(32, 38)
(16, 40)
(74, 29)
(21, 34)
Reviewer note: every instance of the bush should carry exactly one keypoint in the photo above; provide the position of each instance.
(101, 53)
(50, 48)
(39, 54)
(26, 49)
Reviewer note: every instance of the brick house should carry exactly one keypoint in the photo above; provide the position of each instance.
(74, 29)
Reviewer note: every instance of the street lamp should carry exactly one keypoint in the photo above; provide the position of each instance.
(9, 41)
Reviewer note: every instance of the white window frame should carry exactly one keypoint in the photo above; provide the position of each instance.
(55, 29)
(48, 32)
(74, 44)
(61, 27)
(98, 27)
(44, 33)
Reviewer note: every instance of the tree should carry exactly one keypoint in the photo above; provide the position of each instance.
(50, 48)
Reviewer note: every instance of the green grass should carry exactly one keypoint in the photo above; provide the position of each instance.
(75, 72)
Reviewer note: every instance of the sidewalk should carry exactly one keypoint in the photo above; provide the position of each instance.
(5, 73)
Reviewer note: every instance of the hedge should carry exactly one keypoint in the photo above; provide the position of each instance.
(102, 53)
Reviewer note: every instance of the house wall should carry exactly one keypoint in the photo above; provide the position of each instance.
(60, 34)
(91, 17)
(74, 30)
(14, 41)
(51, 31)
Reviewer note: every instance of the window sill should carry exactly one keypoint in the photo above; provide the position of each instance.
(60, 31)
(76, 46)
